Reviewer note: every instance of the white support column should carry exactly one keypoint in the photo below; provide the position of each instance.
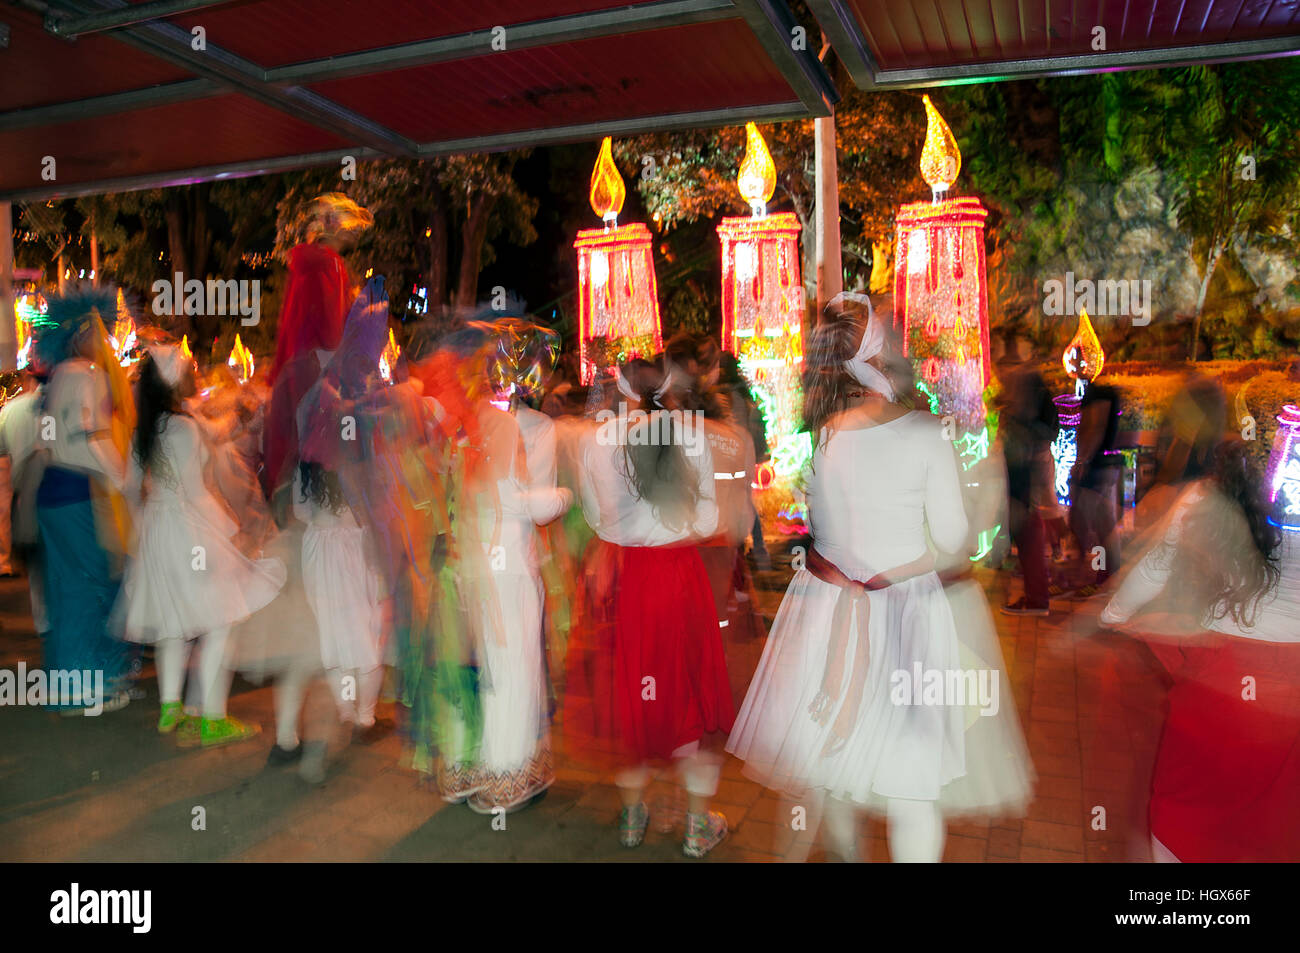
(830, 269)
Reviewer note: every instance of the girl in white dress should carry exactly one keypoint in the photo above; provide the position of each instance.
(344, 592)
(825, 718)
(188, 581)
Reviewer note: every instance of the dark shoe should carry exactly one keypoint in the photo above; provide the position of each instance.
(279, 757)
(1021, 607)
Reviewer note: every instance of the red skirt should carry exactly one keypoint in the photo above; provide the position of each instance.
(646, 668)
(1227, 779)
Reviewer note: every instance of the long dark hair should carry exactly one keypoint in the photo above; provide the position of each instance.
(826, 384)
(155, 401)
(321, 487)
(659, 473)
(1226, 571)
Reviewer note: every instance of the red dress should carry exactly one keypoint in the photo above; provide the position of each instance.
(316, 304)
(1227, 777)
(646, 669)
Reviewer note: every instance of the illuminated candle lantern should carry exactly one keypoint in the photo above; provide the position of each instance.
(1083, 360)
(240, 360)
(618, 300)
(763, 305)
(941, 292)
(1284, 470)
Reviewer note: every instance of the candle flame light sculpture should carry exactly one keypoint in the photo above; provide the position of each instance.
(1284, 470)
(123, 336)
(618, 299)
(241, 360)
(185, 347)
(941, 292)
(1083, 360)
(763, 305)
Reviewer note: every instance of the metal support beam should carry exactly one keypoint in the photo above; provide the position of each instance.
(164, 180)
(586, 26)
(496, 143)
(845, 32)
(773, 26)
(841, 27)
(1089, 63)
(703, 119)
(165, 95)
(172, 44)
(71, 27)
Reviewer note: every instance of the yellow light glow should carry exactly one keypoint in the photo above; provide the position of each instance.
(757, 177)
(940, 157)
(185, 348)
(241, 359)
(388, 359)
(1091, 358)
(607, 189)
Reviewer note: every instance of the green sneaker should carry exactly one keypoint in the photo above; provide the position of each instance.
(187, 732)
(173, 713)
(225, 731)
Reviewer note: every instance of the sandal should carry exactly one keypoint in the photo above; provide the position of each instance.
(632, 822)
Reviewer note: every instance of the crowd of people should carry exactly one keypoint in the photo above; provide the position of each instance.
(533, 568)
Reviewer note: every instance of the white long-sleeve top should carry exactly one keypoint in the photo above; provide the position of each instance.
(609, 500)
(874, 492)
(1278, 616)
(77, 399)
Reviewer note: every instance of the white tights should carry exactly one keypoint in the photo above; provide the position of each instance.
(916, 831)
(699, 772)
(356, 693)
(172, 658)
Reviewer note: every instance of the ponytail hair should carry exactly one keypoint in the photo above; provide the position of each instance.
(659, 472)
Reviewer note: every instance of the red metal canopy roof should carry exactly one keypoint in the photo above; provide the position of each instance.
(117, 95)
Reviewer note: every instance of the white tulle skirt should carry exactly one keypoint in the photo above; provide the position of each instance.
(907, 742)
(187, 576)
(343, 591)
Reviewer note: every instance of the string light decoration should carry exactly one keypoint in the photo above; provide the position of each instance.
(763, 305)
(940, 286)
(1284, 470)
(618, 298)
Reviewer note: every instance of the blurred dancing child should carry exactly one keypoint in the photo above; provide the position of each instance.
(188, 581)
(647, 673)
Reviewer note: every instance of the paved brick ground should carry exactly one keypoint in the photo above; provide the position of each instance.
(109, 788)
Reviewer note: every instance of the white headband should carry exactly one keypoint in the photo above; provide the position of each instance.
(170, 362)
(873, 342)
(625, 386)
